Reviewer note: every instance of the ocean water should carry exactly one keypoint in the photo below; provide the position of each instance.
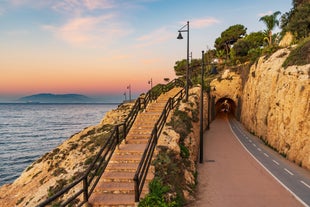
(28, 131)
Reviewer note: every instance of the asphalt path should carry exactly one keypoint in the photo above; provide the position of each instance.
(292, 177)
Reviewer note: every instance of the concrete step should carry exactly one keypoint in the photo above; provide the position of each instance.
(122, 167)
(98, 199)
(138, 141)
(119, 187)
(127, 158)
(126, 149)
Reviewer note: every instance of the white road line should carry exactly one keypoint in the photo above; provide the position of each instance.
(259, 149)
(305, 183)
(250, 141)
(289, 172)
(266, 154)
(275, 162)
(261, 164)
(254, 145)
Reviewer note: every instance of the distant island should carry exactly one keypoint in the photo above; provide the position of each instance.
(57, 98)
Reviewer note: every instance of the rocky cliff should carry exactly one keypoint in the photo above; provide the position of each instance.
(276, 106)
(56, 169)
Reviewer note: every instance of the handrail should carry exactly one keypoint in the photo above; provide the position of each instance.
(143, 167)
(85, 185)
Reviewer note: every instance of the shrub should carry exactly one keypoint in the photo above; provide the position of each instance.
(300, 55)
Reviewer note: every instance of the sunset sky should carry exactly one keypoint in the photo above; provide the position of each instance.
(99, 47)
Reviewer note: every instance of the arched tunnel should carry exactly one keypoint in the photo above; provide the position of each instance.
(223, 105)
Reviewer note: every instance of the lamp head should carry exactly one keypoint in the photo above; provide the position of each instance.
(180, 37)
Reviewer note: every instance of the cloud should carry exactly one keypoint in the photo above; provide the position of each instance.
(202, 22)
(91, 31)
(155, 37)
(266, 13)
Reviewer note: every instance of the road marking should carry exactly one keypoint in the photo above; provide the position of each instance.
(254, 145)
(275, 162)
(266, 154)
(250, 141)
(289, 172)
(261, 164)
(259, 149)
(305, 183)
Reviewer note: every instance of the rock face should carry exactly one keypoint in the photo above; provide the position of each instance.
(56, 169)
(276, 106)
(229, 85)
(170, 139)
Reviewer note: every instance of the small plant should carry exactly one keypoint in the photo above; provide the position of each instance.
(157, 195)
(60, 184)
(300, 55)
(184, 151)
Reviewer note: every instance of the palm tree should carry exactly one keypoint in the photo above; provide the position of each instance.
(271, 22)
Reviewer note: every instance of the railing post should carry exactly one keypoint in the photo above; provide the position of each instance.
(85, 188)
(137, 193)
(117, 136)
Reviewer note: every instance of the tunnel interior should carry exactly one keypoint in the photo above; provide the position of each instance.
(225, 105)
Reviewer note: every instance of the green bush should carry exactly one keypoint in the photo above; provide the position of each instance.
(156, 197)
(184, 151)
(300, 55)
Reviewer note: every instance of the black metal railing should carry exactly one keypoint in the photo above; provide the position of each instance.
(83, 187)
(143, 167)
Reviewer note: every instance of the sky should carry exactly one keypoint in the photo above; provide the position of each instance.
(99, 47)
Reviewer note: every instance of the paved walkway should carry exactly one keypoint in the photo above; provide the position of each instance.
(230, 177)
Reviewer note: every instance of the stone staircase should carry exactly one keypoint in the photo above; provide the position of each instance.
(116, 186)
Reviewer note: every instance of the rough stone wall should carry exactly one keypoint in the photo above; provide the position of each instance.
(276, 106)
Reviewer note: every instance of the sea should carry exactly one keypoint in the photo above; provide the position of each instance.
(29, 130)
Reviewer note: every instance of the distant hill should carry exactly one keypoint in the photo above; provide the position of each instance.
(56, 98)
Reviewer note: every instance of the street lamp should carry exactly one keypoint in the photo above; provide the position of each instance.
(151, 83)
(129, 88)
(187, 58)
(201, 108)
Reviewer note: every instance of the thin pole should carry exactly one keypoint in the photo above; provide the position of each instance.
(201, 109)
(187, 71)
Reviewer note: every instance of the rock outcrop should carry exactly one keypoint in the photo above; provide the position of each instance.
(276, 106)
(56, 169)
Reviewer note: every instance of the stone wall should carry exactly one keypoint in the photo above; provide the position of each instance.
(276, 106)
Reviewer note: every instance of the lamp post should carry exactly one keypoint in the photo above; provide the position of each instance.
(187, 58)
(151, 83)
(125, 96)
(201, 108)
(129, 88)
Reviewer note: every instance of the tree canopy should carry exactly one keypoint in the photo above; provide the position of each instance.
(271, 22)
(229, 37)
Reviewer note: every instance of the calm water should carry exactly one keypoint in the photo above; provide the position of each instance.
(27, 131)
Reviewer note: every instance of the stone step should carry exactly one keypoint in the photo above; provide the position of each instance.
(126, 149)
(126, 158)
(98, 199)
(118, 177)
(121, 176)
(119, 187)
(122, 167)
(138, 141)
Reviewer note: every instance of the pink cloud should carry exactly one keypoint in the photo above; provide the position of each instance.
(155, 37)
(203, 22)
(91, 31)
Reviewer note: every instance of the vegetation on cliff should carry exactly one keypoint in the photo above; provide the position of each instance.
(175, 161)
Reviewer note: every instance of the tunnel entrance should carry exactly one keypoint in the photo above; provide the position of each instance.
(225, 105)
